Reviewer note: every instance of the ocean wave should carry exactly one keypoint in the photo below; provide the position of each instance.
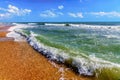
(102, 27)
(55, 24)
(17, 37)
(107, 27)
(17, 27)
(85, 65)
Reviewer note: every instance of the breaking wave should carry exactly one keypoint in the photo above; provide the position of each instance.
(94, 50)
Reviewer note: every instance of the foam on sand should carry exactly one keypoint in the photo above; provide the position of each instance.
(17, 27)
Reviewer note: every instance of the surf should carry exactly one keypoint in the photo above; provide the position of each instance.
(92, 49)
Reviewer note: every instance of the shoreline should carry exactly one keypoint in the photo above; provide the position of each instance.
(20, 61)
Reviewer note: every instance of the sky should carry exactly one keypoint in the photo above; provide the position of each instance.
(59, 10)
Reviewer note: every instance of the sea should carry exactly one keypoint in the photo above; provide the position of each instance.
(89, 48)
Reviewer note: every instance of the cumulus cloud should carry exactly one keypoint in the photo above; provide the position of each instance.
(76, 15)
(60, 7)
(50, 13)
(107, 14)
(13, 11)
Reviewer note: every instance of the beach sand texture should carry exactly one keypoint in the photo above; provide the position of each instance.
(19, 61)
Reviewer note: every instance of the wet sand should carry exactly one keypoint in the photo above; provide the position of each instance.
(19, 61)
(3, 31)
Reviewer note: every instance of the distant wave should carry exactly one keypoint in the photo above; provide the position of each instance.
(50, 24)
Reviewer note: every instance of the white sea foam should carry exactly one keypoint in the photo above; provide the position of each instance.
(16, 36)
(32, 23)
(50, 24)
(17, 27)
(117, 28)
(112, 36)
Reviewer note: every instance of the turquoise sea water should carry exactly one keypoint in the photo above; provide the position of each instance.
(94, 48)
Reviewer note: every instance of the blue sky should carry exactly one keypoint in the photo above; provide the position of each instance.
(59, 10)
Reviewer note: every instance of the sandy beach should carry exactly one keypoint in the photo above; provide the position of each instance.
(19, 61)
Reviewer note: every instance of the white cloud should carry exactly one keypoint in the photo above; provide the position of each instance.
(13, 11)
(107, 14)
(72, 14)
(76, 15)
(60, 7)
(60, 13)
(50, 13)
(6, 15)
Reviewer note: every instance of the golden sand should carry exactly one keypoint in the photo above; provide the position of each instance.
(2, 34)
(19, 61)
